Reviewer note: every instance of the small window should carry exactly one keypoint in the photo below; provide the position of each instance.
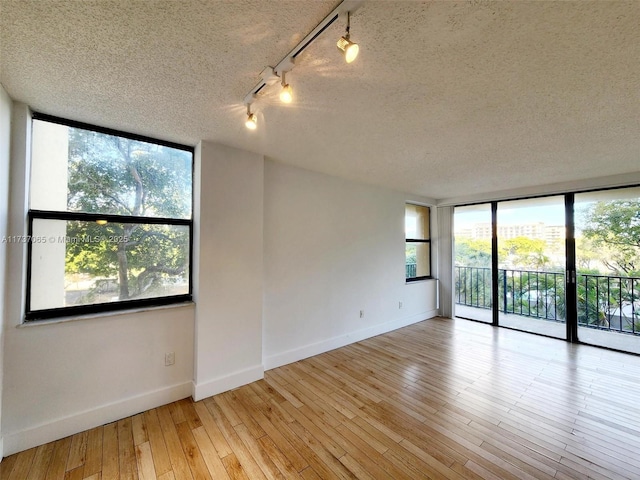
(110, 220)
(418, 242)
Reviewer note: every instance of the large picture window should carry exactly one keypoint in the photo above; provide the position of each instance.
(418, 242)
(110, 220)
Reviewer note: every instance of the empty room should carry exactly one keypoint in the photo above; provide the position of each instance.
(319, 239)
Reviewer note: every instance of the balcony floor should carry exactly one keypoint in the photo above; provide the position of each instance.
(618, 341)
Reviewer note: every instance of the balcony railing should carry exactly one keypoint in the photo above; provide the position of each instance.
(604, 302)
(410, 270)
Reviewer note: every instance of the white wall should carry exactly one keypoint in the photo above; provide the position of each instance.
(67, 377)
(5, 134)
(333, 248)
(445, 260)
(284, 260)
(229, 271)
(61, 378)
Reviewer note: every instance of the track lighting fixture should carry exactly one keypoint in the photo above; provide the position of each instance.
(346, 46)
(286, 94)
(252, 121)
(271, 75)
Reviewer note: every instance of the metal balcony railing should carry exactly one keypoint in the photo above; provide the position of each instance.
(604, 302)
(410, 270)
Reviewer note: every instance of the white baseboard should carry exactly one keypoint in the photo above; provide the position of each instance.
(228, 382)
(290, 356)
(63, 427)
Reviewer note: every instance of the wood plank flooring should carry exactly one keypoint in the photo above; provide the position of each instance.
(439, 399)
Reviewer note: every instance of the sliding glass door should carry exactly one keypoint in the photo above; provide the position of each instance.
(607, 231)
(531, 265)
(472, 269)
(564, 266)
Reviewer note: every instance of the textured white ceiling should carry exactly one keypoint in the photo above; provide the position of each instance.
(446, 98)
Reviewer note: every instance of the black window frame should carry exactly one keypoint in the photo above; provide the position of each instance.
(78, 310)
(420, 241)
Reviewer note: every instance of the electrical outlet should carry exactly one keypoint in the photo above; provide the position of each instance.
(361, 313)
(169, 359)
(399, 304)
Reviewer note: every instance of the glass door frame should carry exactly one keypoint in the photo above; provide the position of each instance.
(570, 290)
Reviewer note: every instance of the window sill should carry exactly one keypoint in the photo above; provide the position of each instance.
(418, 280)
(112, 313)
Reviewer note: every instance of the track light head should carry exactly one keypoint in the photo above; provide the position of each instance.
(349, 48)
(252, 121)
(346, 46)
(286, 94)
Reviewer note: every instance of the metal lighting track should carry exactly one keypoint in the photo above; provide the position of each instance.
(271, 75)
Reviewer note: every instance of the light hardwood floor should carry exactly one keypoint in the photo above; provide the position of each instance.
(439, 399)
